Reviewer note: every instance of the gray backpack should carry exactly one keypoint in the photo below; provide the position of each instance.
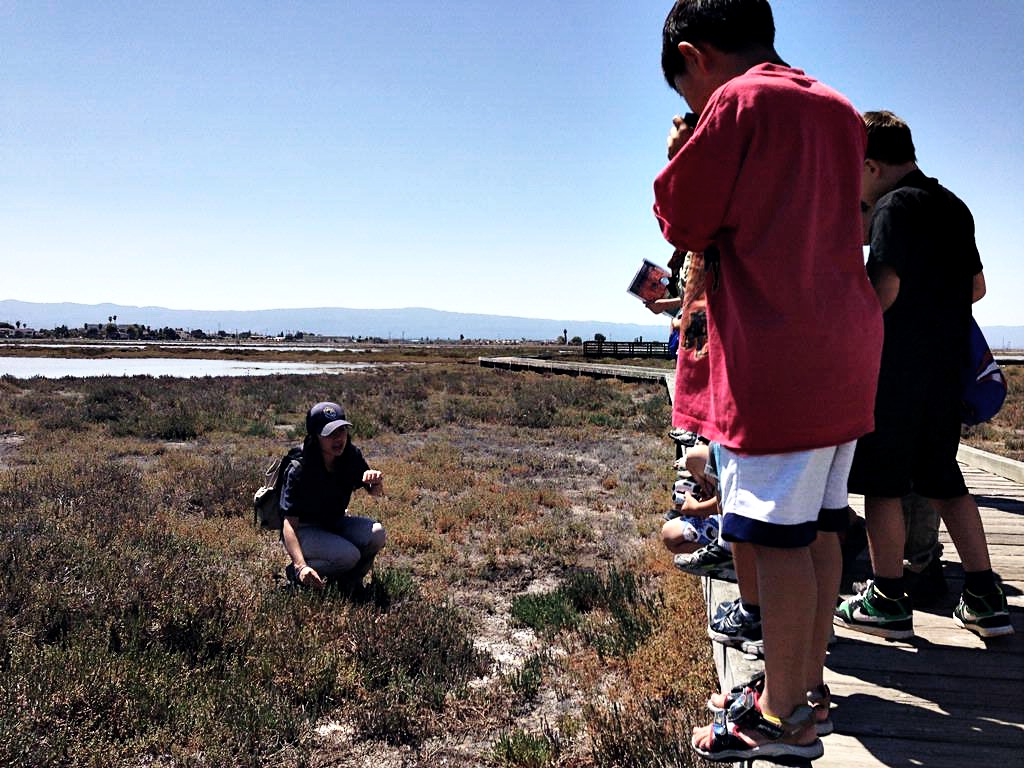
(266, 502)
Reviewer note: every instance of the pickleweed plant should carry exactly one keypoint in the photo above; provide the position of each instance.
(522, 749)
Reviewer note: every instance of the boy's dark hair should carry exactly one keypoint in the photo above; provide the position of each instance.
(889, 139)
(729, 25)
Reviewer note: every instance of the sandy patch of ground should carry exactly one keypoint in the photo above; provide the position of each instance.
(9, 443)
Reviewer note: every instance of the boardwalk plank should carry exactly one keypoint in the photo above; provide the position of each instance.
(956, 671)
(863, 715)
(842, 751)
(867, 656)
(929, 702)
(930, 689)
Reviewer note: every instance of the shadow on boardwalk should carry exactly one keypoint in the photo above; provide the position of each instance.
(1013, 505)
(928, 704)
(945, 699)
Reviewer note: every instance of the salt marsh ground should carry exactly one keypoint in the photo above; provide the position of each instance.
(522, 614)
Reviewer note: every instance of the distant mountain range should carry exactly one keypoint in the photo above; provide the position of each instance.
(410, 323)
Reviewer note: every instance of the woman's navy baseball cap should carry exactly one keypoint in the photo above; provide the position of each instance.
(324, 418)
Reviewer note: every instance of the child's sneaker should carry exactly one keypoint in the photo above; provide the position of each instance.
(873, 613)
(984, 615)
(712, 561)
(683, 437)
(738, 629)
(724, 607)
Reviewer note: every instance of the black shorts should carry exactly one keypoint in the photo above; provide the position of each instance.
(916, 438)
(833, 520)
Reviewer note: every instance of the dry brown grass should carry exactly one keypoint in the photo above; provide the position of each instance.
(142, 620)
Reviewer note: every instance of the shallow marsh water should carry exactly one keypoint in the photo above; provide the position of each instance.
(59, 367)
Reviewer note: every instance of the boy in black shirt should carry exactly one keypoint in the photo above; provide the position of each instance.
(925, 268)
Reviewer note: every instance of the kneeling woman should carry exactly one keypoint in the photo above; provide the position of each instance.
(322, 540)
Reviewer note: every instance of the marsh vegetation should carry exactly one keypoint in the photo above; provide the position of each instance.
(522, 614)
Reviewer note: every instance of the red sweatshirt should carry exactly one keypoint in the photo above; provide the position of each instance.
(771, 176)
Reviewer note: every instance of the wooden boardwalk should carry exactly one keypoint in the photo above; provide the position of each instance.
(945, 699)
(637, 373)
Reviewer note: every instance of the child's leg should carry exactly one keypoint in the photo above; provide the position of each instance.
(787, 620)
(828, 568)
(827, 554)
(774, 504)
(886, 535)
(745, 563)
(674, 538)
(697, 462)
(963, 521)
(789, 596)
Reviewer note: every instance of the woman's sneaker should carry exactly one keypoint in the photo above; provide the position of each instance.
(984, 615)
(712, 561)
(873, 613)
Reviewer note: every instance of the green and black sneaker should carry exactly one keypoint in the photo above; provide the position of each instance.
(985, 615)
(873, 613)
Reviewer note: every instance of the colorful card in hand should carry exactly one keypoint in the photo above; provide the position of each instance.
(651, 282)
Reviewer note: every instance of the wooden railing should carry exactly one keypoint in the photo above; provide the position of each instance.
(625, 349)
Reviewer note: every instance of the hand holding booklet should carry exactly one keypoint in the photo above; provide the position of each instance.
(650, 282)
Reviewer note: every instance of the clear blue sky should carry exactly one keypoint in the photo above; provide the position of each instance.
(467, 155)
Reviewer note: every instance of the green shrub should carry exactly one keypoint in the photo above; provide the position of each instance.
(520, 749)
(525, 682)
(622, 612)
(392, 585)
(632, 611)
(408, 660)
(546, 613)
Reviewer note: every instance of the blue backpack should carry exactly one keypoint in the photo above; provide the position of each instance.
(983, 384)
(673, 343)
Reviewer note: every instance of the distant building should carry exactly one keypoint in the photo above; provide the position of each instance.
(24, 332)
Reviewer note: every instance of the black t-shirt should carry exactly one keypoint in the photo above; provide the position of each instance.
(318, 497)
(925, 233)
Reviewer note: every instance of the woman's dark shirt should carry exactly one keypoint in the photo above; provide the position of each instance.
(318, 497)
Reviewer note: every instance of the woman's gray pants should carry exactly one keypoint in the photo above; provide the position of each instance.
(347, 550)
